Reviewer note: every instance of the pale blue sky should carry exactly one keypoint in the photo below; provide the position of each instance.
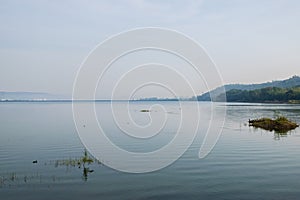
(42, 43)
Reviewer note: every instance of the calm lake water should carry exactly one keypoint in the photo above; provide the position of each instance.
(246, 163)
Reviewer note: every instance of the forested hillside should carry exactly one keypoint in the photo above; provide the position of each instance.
(214, 94)
(269, 94)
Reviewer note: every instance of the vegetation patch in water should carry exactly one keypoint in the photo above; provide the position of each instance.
(145, 110)
(76, 162)
(294, 101)
(81, 162)
(84, 162)
(279, 125)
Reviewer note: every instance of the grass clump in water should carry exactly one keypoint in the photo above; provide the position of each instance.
(85, 159)
(145, 110)
(280, 124)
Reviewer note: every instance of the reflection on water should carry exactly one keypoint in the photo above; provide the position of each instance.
(86, 172)
(278, 136)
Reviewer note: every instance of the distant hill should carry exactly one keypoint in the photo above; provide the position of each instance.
(288, 83)
(265, 95)
(27, 96)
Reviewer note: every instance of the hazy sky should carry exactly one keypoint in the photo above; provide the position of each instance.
(42, 43)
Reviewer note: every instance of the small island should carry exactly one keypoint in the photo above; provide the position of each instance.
(280, 124)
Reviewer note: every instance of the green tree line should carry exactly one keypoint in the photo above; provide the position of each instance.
(269, 94)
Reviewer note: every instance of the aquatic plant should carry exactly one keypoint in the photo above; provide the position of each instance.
(86, 158)
(83, 162)
(279, 125)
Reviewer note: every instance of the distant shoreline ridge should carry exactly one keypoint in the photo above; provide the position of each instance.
(280, 91)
